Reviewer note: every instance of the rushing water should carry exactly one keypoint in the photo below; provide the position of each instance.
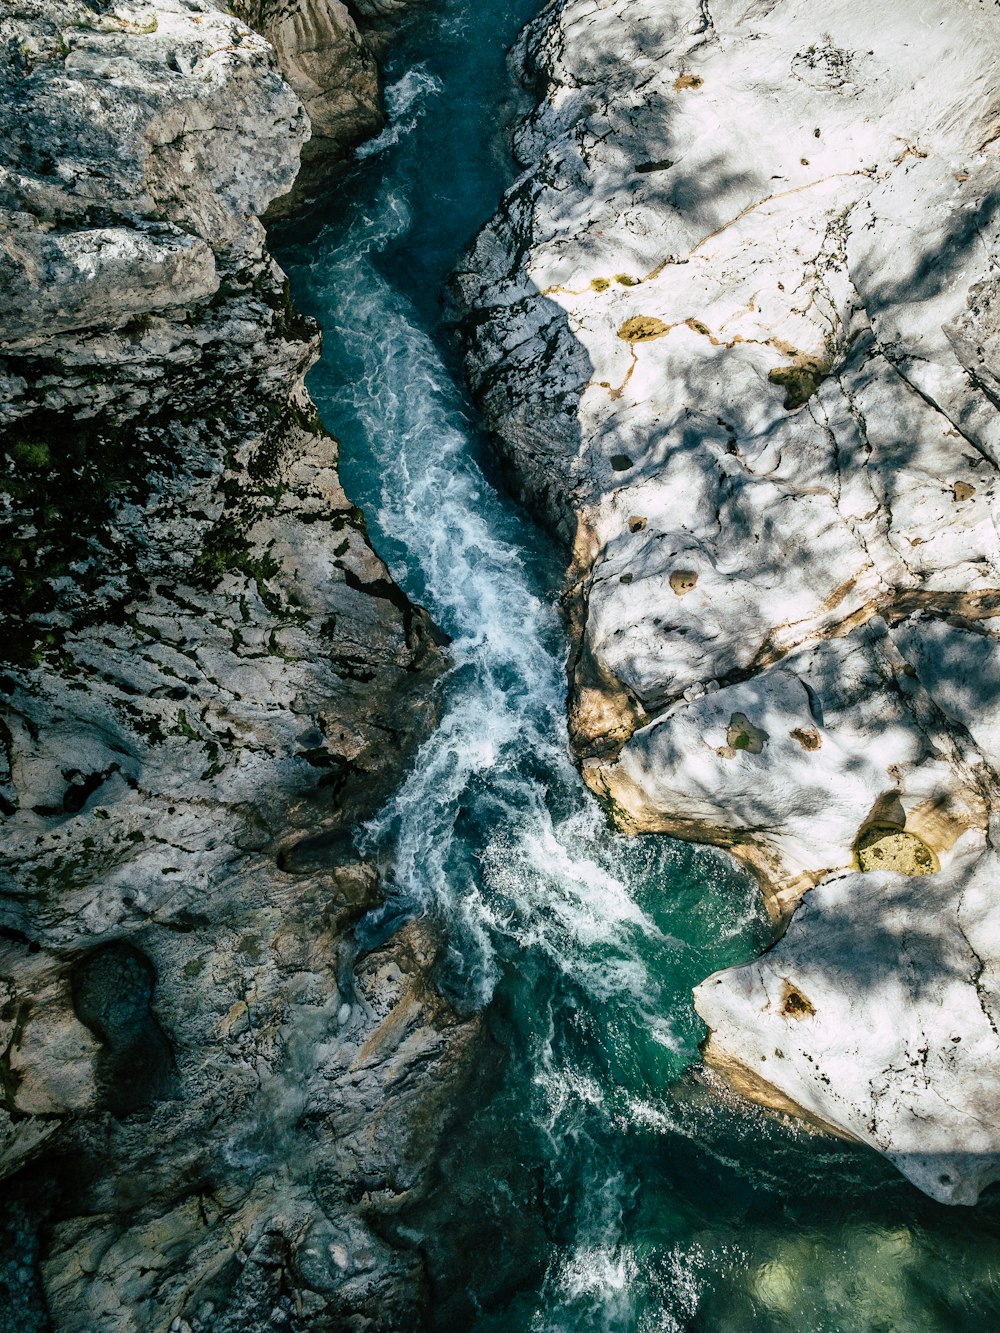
(589, 1181)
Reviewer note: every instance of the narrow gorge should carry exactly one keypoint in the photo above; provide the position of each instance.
(355, 976)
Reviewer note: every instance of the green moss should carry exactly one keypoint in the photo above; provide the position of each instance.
(185, 728)
(64, 481)
(226, 550)
(743, 735)
(31, 453)
(137, 326)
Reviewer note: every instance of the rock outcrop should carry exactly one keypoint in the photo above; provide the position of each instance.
(735, 330)
(328, 51)
(209, 1093)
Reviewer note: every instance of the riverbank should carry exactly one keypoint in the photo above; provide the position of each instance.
(209, 681)
(730, 328)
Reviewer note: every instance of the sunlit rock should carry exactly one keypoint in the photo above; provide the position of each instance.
(877, 1014)
(735, 331)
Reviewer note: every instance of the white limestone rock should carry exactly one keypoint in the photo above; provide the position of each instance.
(735, 331)
(877, 1013)
(797, 761)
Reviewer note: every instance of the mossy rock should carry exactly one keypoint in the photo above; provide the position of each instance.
(31, 453)
(888, 847)
(741, 734)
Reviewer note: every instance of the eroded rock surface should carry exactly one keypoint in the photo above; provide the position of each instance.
(734, 328)
(328, 51)
(208, 679)
(877, 1013)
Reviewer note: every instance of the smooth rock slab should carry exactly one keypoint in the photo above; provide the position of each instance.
(877, 1015)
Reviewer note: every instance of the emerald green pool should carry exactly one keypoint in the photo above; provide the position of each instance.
(591, 1179)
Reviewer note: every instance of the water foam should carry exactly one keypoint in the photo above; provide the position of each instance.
(405, 101)
(536, 870)
(491, 831)
(584, 1186)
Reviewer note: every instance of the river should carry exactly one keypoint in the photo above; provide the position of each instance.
(591, 1179)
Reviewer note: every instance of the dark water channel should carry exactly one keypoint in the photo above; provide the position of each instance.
(591, 1181)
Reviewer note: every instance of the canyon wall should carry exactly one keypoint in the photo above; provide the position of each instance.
(328, 53)
(211, 1097)
(735, 331)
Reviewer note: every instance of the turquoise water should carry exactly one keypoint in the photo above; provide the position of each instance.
(591, 1180)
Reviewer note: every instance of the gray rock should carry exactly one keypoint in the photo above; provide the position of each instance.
(328, 52)
(205, 665)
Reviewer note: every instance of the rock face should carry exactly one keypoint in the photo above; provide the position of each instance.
(735, 331)
(877, 1014)
(208, 1093)
(328, 53)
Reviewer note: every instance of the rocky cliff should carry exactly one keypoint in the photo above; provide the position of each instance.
(735, 330)
(210, 1096)
(328, 52)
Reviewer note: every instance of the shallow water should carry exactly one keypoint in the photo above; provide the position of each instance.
(590, 1181)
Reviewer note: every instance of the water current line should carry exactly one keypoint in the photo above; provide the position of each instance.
(491, 830)
(594, 1187)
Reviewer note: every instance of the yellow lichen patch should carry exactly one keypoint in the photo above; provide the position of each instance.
(963, 490)
(800, 381)
(643, 328)
(626, 280)
(887, 847)
(794, 1004)
(600, 284)
(687, 81)
(808, 737)
(682, 581)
